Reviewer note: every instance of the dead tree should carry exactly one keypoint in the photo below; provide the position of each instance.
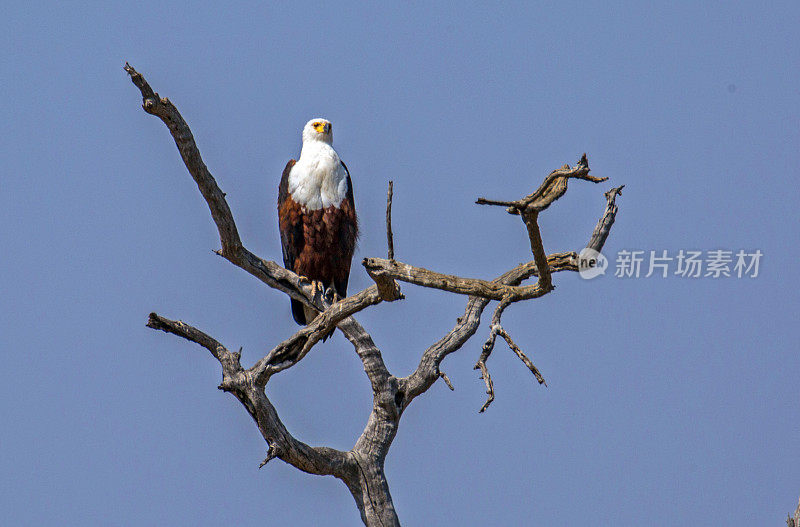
(362, 467)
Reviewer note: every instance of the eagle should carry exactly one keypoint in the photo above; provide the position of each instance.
(317, 217)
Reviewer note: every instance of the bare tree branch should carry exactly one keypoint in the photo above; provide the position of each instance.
(389, 236)
(495, 330)
(488, 380)
(321, 461)
(292, 350)
(361, 469)
(387, 287)
(446, 380)
(518, 352)
(228, 360)
(539, 256)
(455, 284)
(553, 187)
(427, 370)
(166, 111)
(603, 227)
(544, 283)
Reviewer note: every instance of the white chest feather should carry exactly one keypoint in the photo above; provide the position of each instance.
(318, 179)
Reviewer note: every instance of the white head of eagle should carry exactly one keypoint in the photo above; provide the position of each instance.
(317, 215)
(318, 130)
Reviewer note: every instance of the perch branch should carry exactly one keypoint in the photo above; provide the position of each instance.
(268, 272)
(292, 350)
(375, 504)
(456, 284)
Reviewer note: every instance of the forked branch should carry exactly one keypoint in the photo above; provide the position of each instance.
(596, 242)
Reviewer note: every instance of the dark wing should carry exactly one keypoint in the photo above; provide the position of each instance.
(348, 235)
(291, 229)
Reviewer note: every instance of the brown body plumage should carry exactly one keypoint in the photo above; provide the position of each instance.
(319, 243)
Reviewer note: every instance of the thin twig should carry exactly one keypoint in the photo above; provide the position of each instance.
(446, 380)
(487, 379)
(272, 453)
(388, 289)
(511, 344)
(389, 235)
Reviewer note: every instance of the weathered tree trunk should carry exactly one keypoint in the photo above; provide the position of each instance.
(372, 494)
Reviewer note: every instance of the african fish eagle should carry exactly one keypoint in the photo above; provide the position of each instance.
(317, 216)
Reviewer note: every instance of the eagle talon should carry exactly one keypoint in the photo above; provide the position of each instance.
(317, 287)
(331, 295)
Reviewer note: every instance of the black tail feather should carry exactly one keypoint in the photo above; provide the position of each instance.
(299, 315)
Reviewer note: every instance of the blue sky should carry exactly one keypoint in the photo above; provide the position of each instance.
(671, 401)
